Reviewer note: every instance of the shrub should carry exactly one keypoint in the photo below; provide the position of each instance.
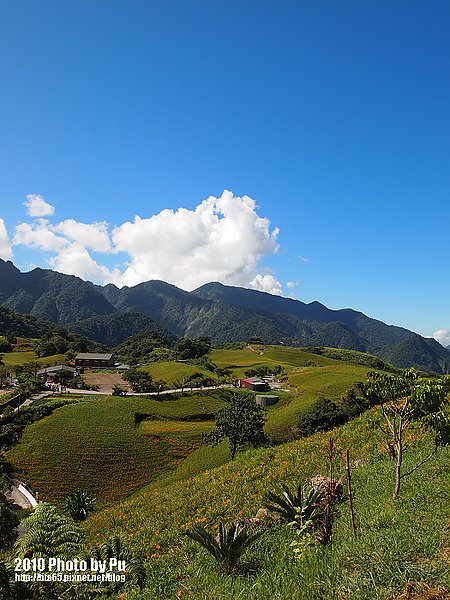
(323, 415)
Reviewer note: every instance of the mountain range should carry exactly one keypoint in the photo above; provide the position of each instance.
(109, 314)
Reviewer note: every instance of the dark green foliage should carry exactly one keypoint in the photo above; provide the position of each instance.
(118, 391)
(264, 371)
(116, 547)
(353, 356)
(241, 422)
(303, 505)
(5, 345)
(139, 347)
(230, 543)
(193, 348)
(51, 533)
(8, 524)
(59, 341)
(113, 329)
(323, 415)
(13, 324)
(140, 381)
(79, 505)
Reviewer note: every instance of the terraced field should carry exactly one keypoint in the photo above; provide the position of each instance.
(96, 446)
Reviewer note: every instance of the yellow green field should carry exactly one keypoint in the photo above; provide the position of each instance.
(23, 358)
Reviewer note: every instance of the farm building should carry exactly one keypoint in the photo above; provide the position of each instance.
(52, 371)
(255, 339)
(94, 360)
(254, 384)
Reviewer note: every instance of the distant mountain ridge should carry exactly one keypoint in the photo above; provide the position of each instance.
(224, 313)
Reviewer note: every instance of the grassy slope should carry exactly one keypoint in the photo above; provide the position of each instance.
(23, 358)
(171, 371)
(78, 446)
(95, 446)
(397, 541)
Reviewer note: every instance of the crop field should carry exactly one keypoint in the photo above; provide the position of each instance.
(396, 542)
(95, 445)
(25, 357)
(269, 356)
(172, 371)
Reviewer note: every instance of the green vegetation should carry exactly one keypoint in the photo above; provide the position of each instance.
(94, 444)
(397, 541)
(241, 422)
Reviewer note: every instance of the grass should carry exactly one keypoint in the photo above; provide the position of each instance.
(94, 445)
(398, 541)
(172, 371)
(22, 358)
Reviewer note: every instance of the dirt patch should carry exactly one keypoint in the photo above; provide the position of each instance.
(422, 591)
(106, 381)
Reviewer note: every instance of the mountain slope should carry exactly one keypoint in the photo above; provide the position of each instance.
(223, 313)
(50, 295)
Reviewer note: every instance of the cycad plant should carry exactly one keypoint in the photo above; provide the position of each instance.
(303, 506)
(230, 543)
(79, 505)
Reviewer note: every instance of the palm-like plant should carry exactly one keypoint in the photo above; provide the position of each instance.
(79, 505)
(230, 543)
(302, 506)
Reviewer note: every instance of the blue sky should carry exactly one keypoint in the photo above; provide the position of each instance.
(332, 116)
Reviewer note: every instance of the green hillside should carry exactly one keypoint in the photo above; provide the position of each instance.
(95, 445)
(398, 542)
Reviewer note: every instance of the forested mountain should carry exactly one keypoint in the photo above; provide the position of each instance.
(223, 313)
(13, 324)
(50, 295)
(111, 330)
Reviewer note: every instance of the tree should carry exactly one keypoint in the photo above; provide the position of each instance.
(8, 524)
(242, 422)
(405, 399)
(193, 348)
(140, 381)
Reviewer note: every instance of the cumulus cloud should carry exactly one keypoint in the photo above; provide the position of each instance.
(266, 283)
(442, 336)
(38, 207)
(222, 239)
(5, 246)
(76, 260)
(38, 234)
(91, 235)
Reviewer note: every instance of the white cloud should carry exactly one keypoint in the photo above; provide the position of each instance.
(38, 234)
(266, 283)
(90, 235)
(222, 239)
(38, 207)
(76, 260)
(303, 259)
(5, 246)
(291, 285)
(442, 336)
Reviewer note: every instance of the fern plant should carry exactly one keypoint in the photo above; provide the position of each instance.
(51, 533)
(230, 543)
